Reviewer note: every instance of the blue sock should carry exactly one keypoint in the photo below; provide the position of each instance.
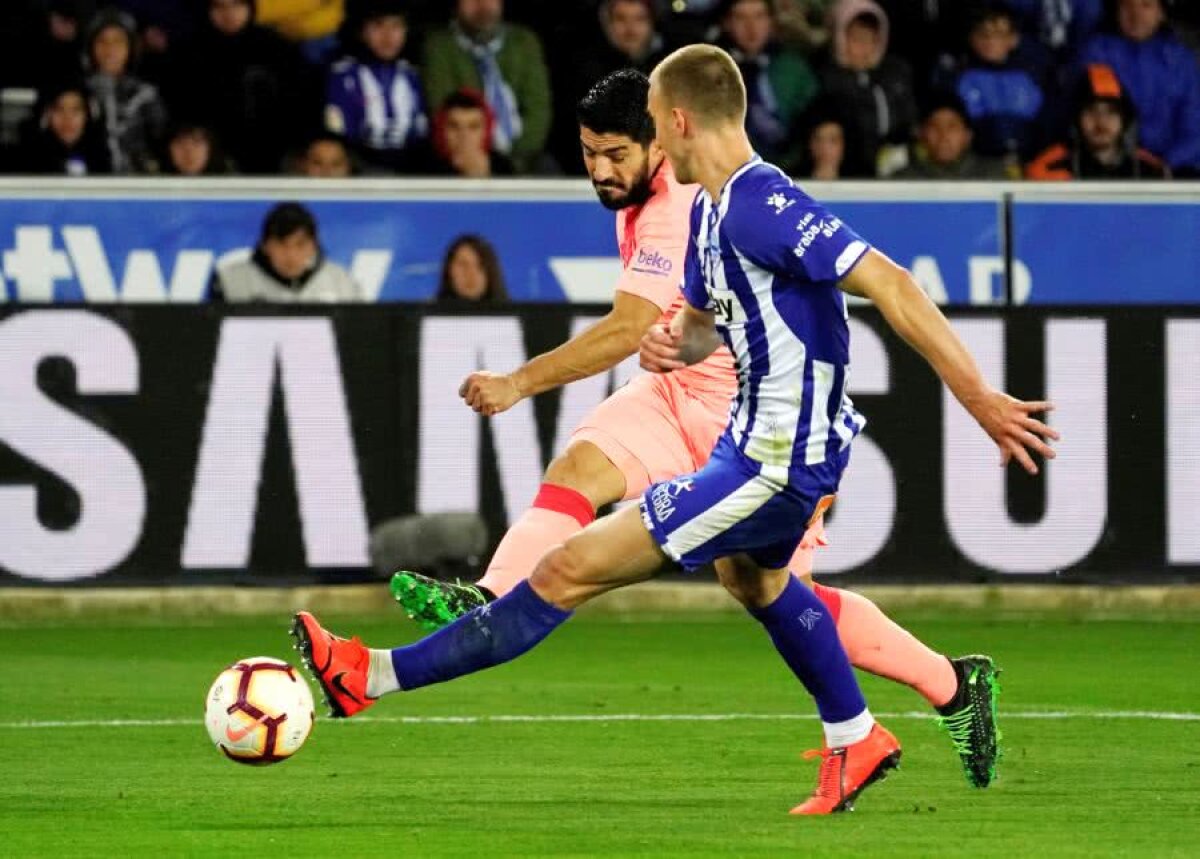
(806, 637)
(489, 635)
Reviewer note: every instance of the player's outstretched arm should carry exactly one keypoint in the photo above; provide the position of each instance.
(910, 312)
(598, 348)
(689, 339)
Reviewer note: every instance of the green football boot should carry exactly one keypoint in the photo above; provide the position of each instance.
(433, 603)
(970, 718)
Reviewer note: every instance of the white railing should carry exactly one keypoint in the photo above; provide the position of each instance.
(373, 188)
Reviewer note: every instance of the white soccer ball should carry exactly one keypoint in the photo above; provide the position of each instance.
(259, 711)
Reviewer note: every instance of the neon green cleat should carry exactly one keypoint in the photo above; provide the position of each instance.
(433, 603)
(970, 718)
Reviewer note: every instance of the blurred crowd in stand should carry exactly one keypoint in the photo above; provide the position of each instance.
(904, 89)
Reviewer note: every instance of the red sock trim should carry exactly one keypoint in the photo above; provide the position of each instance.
(560, 499)
(832, 598)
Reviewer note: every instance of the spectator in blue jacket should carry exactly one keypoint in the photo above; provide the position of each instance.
(374, 98)
(1163, 79)
(1003, 96)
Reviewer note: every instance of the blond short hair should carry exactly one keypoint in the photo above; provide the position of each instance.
(704, 80)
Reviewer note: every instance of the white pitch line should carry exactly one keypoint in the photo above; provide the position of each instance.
(1146, 715)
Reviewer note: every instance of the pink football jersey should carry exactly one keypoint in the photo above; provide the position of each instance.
(653, 239)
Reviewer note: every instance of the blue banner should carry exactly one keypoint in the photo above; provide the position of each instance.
(153, 249)
(1098, 253)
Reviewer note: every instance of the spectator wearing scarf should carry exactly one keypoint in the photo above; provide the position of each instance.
(505, 62)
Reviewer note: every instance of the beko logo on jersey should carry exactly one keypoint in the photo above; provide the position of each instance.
(811, 231)
(651, 261)
(779, 203)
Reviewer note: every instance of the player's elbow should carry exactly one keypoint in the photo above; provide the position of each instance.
(627, 334)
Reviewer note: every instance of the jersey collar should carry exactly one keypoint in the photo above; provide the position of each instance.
(737, 174)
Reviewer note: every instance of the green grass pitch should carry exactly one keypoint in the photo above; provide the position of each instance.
(1083, 783)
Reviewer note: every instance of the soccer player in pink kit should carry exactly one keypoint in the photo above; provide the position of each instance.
(660, 426)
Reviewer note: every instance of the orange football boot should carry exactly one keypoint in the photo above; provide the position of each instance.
(339, 665)
(849, 770)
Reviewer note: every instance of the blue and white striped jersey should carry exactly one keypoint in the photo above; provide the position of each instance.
(378, 105)
(766, 259)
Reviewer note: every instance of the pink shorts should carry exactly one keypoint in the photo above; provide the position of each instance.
(656, 429)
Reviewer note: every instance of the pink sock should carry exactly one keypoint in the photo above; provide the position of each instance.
(556, 514)
(877, 644)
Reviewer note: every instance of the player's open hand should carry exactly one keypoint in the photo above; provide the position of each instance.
(659, 350)
(489, 393)
(1011, 425)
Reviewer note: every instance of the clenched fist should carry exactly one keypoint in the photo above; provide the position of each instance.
(489, 393)
(659, 350)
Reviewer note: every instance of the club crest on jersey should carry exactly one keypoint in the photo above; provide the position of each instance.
(680, 485)
(779, 202)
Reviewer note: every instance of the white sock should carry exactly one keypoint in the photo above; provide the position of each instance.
(381, 676)
(847, 733)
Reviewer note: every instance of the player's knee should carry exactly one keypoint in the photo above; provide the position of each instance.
(562, 577)
(569, 469)
(752, 587)
(583, 468)
(737, 580)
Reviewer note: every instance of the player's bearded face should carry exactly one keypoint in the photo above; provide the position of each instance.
(619, 168)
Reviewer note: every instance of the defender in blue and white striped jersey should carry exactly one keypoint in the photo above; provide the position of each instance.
(765, 274)
(765, 260)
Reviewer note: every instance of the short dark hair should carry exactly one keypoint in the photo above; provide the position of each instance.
(727, 6)
(988, 12)
(325, 136)
(617, 104)
(867, 19)
(944, 100)
(286, 220)
(370, 10)
(648, 5)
